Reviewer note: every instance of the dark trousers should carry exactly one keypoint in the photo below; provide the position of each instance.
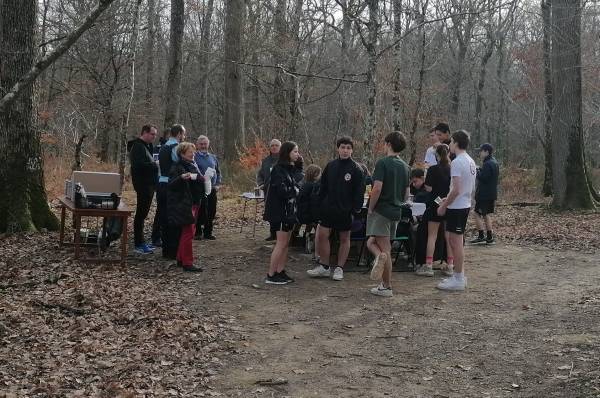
(169, 233)
(206, 217)
(145, 193)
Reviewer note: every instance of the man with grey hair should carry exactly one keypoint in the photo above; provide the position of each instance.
(264, 173)
(208, 206)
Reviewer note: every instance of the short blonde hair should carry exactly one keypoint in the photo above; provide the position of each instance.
(183, 147)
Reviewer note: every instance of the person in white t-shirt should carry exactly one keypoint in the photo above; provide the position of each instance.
(456, 206)
(430, 159)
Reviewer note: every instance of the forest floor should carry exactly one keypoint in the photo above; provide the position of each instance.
(527, 325)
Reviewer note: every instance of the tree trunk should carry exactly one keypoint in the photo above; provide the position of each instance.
(569, 178)
(415, 120)
(173, 92)
(281, 40)
(370, 133)
(546, 20)
(342, 110)
(150, 54)
(233, 115)
(397, 57)
(204, 66)
(24, 205)
(489, 50)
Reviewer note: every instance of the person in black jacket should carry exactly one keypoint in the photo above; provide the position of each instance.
(264, 173)
(486, 194)
(184, 194)
(144, 173)
(341, 194)
(167, 156)
(281, 210)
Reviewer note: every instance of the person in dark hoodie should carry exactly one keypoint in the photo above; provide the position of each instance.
(281, 210)
(167, 156)
(486, 194)
(341, 195)
(184, 194)
(264, 174)
(144, 173)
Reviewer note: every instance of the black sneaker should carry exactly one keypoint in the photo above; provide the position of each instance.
(197, 237)
(192, 268)
(490, 241)
(210, 237)
(478, 241)
(285, 277)
(276, 279)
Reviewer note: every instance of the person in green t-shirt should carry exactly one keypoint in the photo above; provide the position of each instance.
(391, 180)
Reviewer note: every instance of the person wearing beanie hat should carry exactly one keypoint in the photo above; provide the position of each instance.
(486, 195)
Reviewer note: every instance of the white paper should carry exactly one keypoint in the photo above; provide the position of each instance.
(208, 175)
(418, 209)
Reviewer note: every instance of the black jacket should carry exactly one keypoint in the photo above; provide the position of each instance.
(281, 205)
(182, 194)
(144, 170)
(264, 173)
(308, 203)
(487, 180)
(342, 187)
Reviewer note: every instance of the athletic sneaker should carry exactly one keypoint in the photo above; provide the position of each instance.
(490, 241)
(192, 268)
(477, 241)
(448, 270)
(276, 279)
(319, 272)
(382, 291)
(425, 270)
(144, 249)
(453, 284)
(285, 277)
(338, 274)
(378, 266)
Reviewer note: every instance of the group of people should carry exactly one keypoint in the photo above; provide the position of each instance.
(185, 178)
(334, 198)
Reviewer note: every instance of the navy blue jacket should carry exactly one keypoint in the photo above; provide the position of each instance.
(487, 180)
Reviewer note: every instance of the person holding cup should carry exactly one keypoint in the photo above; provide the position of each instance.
(184, 195)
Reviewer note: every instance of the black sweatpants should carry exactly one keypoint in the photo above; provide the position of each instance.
(208, 212)
(169, 233)
(145, 193)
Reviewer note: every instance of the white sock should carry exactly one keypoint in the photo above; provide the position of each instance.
(459, 275)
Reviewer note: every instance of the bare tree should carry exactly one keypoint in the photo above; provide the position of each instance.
(233, 116)
(174, 74)
(546, 48)
(570, 185)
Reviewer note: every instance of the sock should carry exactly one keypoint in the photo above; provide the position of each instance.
(481, 236)
(489, 235)
(428, 261)
(450, 261)
(459, 275)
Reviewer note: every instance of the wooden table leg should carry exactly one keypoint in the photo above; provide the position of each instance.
(62, 225)
(124, 241)
(77, 236)
(243, 215)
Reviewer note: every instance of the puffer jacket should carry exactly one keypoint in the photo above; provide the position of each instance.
(281, 205)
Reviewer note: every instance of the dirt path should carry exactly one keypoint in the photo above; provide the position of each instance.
(528, 326)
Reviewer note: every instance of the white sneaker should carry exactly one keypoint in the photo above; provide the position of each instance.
(338, 274)
(425, 270)
(382, 291)
(453, 284)
(318, 272)
(378, 266)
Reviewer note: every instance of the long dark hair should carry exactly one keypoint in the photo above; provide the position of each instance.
(284, 152)
(443, 151)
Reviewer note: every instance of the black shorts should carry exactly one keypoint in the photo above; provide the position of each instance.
(456, 220)
(281, 226)
(431, 215)
(341, 222)
(485, 207)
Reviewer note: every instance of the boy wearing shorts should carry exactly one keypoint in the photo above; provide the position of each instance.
(456, 206)
(391, 180)
(341, 196)
(486, 194)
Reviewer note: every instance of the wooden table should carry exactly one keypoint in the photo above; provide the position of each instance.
(121, 212)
